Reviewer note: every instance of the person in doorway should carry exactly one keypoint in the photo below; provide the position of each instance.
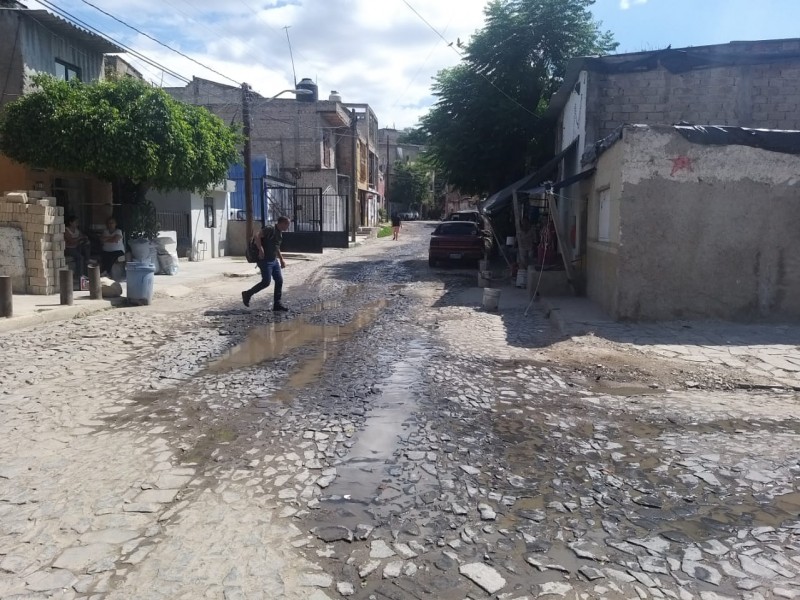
(76, 245)
(397, 223)
(270, 262)
(113, 246)
(525, 243)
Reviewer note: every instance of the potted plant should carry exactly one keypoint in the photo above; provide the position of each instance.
(142, 230)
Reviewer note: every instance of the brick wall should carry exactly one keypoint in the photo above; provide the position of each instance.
(761, 95)
(42, 227)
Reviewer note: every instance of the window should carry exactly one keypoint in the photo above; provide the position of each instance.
(604, 216)
(211, 215)
(66, 71)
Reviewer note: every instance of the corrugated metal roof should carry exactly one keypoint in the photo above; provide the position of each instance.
(65, 28)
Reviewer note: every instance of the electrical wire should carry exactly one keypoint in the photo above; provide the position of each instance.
(159, 42)
(461, 54)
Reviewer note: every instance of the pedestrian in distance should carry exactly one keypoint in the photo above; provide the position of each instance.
(397, 223)
(267, 247)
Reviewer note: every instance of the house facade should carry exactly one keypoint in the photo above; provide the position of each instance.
(748, 84)
(33, 42)
(308, 141)
(370, 199)
(200, 220)
(693, 222)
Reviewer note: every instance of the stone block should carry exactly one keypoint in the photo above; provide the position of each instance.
(16, 197)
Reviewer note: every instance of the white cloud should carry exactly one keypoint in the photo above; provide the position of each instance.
(626, 4)
(380, 53)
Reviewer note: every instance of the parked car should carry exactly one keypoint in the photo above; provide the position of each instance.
(458, 240)
(470, 215)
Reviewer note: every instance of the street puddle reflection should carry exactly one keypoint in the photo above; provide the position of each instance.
(363, 479)
(276, 340)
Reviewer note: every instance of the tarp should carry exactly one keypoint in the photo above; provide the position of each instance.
(787, 142)
(773, 140)
(502, 199)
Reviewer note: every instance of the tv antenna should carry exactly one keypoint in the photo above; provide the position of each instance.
(291, 55)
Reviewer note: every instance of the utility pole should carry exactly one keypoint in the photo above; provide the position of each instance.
(386, 193)
(354, 176)
(248, 163)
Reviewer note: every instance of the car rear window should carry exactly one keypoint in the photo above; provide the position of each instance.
(464, 217)
(456, 228)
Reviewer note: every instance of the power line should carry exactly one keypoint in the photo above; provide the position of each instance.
(160, 43)
(461, 54)
(70, 17)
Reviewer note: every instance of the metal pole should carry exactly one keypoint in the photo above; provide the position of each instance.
(65, 286)
(386, 191)
(248, 163)
(354, 181)
(95, 288)
(6, 298)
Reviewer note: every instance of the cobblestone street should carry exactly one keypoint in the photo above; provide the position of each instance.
(389, 439)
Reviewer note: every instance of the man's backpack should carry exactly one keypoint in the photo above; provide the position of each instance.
(251, 254)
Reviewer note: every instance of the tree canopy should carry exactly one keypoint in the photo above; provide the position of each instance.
(409, 184)
(413, 135)
(121, 130)
(486, 128)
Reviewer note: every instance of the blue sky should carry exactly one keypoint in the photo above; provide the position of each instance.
(657, 23)
(380, 51)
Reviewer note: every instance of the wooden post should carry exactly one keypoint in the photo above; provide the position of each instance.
(556, 216)
(95, 287)
(65, 285)
(248, 163)
(6, 298)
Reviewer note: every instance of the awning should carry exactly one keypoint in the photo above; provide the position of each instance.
(574, 179)
(502, 199)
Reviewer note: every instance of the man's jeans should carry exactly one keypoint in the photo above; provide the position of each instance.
(270, 269)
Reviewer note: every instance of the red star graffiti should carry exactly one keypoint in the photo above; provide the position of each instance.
(682, 163)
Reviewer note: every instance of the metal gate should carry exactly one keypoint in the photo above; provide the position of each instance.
(303, 206)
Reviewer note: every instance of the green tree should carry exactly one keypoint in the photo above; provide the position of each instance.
(410, 184)
(123, 131)
(486, 127)
(413, 135)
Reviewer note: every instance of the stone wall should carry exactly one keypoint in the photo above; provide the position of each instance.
(759, 95)
(41, 224)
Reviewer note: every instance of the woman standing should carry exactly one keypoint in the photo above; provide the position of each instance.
(76, 245)
(113, 246)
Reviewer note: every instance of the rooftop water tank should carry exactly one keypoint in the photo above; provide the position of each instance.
(335, 96)
(307, 84)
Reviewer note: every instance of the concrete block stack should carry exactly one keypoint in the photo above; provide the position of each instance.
(41, 223)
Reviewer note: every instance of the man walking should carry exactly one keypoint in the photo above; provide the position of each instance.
(270, 262)
(396, 224)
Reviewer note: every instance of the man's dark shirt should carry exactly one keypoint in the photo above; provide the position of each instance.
(271, 238)
(395, 221)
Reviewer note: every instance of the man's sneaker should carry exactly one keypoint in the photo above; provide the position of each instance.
(246, 298)
(278, 307)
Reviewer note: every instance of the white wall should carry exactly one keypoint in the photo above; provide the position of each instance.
(214, 238)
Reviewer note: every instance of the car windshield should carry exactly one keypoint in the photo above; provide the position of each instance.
(456, 228)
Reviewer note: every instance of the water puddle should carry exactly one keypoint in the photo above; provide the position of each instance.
(363, 478)
(276, 340)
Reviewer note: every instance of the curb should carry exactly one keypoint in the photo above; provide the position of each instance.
(50, 316)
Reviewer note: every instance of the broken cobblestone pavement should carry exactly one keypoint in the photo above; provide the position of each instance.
(387, 439)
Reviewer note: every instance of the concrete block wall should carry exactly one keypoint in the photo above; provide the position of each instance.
(42, 227)
(761, 96)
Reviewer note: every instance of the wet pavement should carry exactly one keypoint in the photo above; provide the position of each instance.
(386, 439)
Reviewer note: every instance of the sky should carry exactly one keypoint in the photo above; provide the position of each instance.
(382, 52)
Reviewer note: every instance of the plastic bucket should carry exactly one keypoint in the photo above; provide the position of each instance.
(140, 278)
(522, 278)
(484, 279)
(491, 298)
